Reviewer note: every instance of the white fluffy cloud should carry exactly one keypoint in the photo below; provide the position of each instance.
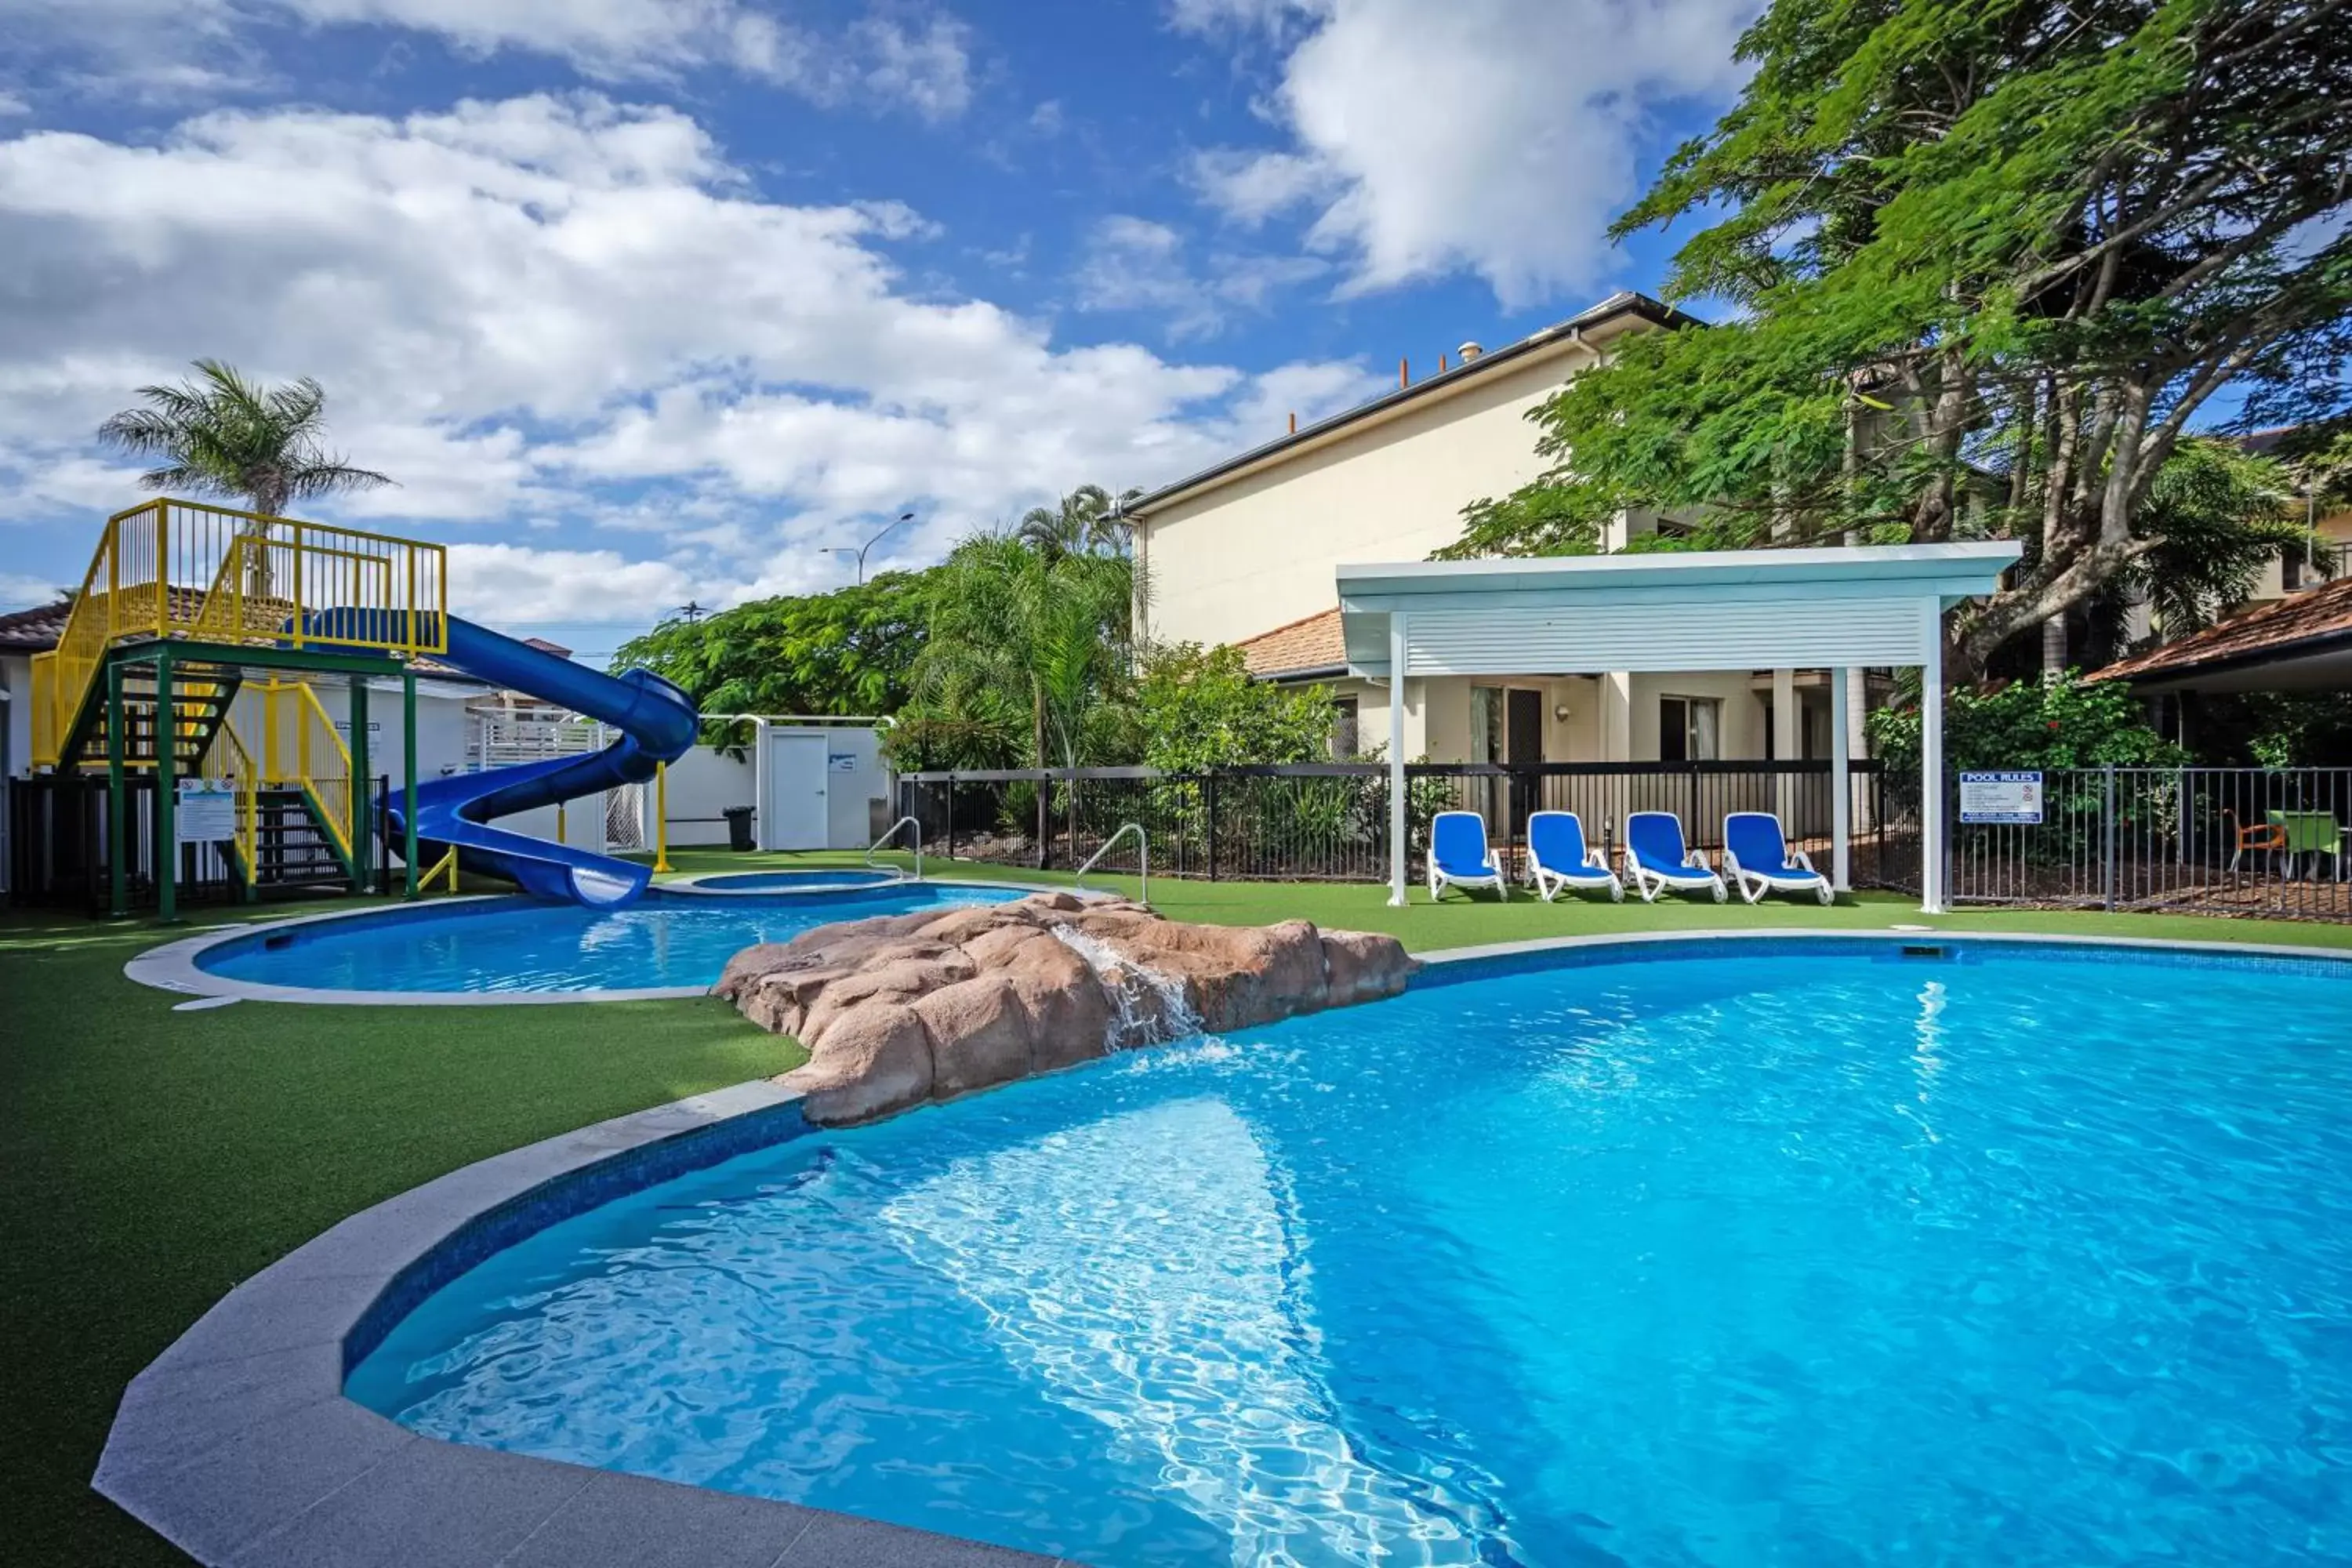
(1134, 264)
(518, 585)
(574, 321)
(20, 591)
(899, 60)
(1498, 136)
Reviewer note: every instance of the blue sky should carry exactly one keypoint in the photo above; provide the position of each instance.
(646, 300)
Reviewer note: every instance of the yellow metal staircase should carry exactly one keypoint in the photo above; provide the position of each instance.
(180, 569)
(214, 587)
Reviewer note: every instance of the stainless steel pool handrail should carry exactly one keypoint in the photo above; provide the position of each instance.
(874, 848)
(1143, 848)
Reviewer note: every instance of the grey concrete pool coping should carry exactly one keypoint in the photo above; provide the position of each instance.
(173, 966)
(238, 1445)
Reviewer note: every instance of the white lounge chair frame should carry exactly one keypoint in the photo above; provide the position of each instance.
(1491, 878)
(1594, 875)
(1697, 874)
(1754, 884)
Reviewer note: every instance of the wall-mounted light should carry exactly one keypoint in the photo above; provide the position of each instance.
(1559, 712)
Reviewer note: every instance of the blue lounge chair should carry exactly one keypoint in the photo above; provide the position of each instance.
(1557, 856)
(1655, 855)
(1758, 856)
(1458, 854)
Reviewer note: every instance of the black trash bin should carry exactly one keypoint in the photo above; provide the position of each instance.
(739, 828)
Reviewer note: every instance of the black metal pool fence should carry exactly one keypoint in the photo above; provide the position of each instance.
(2241, 841)
(1329, 821)
(2253, 841)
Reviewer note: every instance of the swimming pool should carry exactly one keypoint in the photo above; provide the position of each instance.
(1787, 1253)
(501, 946)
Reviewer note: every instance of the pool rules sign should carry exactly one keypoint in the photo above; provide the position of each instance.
(2000, 797)
(205, 812)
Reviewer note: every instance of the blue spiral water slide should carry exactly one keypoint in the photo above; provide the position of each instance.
(658, 722)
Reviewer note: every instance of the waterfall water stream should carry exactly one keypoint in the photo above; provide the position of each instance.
(1148, 1008)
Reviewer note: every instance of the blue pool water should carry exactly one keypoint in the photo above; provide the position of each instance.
(512, 944)
(785, 881)
(1789, 1258)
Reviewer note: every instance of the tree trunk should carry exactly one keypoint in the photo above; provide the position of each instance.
(1044, 790)
(2054, 648)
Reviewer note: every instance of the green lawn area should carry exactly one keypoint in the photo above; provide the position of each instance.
(1464, 919)
(154, 1158)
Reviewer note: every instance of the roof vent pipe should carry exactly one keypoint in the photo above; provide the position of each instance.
(1469, 351)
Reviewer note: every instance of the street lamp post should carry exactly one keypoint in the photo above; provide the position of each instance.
(844, 549)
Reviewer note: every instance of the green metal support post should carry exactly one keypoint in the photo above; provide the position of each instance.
(362, 791)
(118, 802)
(167, 797)
(408, 779)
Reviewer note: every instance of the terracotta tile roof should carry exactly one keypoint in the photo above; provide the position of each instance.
(1313, 643)
(2316, 615)
(35, 630)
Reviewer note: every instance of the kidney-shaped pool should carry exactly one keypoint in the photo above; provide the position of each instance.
(1739, 1254)
(665, 940)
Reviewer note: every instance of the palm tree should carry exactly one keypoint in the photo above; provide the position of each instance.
(1043, 628)
(2215, 517)
(1087, 521)
(223, 434)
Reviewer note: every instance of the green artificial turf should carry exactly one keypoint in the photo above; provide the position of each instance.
(1474, 919)
(154, 1158)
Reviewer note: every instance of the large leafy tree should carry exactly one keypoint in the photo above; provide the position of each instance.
(219, 434)
(1990, 258)
(852, 650)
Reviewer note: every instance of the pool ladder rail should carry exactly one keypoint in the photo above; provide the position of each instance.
(875, 848)
(1143, 850)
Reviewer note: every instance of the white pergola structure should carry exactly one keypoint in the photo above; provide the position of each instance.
(1714, 610)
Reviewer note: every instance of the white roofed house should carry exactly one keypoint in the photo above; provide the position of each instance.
(1249, 552)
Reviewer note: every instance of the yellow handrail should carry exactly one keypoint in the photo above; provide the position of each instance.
(228, 761)
(326, 764)
(300, 746)
(174, 568)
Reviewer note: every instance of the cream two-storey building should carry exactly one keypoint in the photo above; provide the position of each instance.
(1246, 552)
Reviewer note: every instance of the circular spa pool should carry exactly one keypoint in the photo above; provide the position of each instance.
(789, 881)
(1801, 1253)
(664, 940)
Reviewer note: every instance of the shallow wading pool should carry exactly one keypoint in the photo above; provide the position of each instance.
(493, 945)
(1803, 1252)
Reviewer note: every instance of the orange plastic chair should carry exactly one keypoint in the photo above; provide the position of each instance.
(2264, 836)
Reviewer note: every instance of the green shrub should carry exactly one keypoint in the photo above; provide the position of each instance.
(2066, 723)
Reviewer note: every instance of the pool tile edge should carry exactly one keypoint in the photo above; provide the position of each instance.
(238, 1446)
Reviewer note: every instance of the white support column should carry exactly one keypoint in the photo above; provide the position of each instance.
(759, 782)
(1857, 738)
(1841, 788)
(1396, 760)
(1931, 764)
(1788, 744)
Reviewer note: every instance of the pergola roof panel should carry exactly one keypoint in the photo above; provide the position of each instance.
(1739, 609)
